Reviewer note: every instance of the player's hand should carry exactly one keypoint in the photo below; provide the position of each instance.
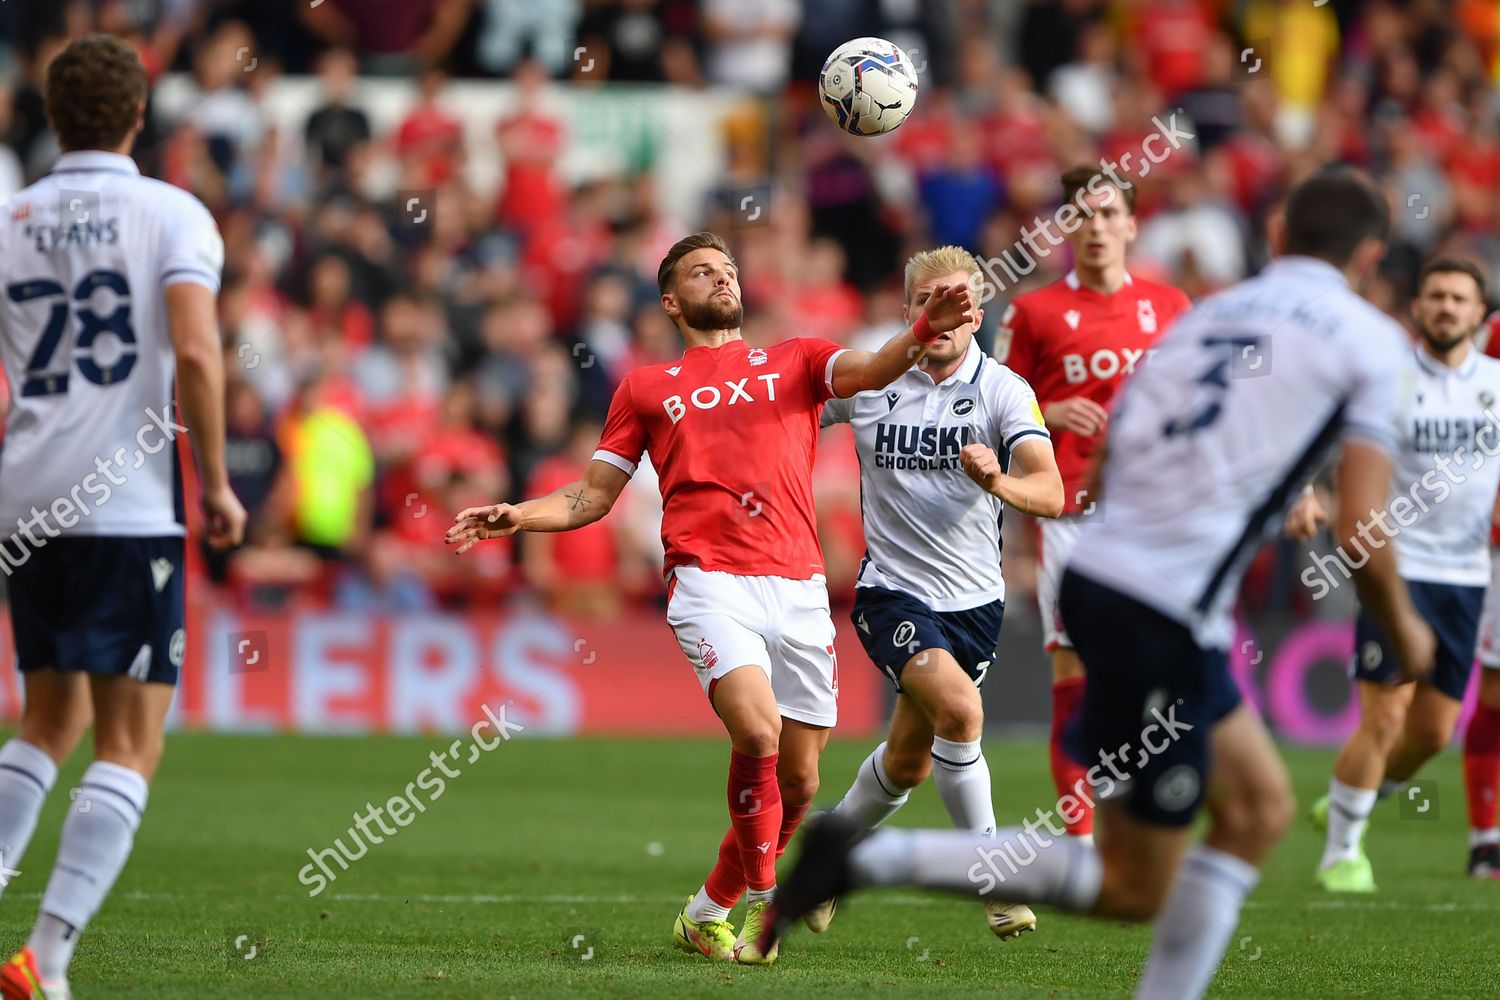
(224, 516)
(1079, 415)
(982, 465)
(1415, 646)
(1305, 518)
(476, 524)
(950, 307)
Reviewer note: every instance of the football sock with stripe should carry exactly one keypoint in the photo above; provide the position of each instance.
(1068, 776)
(755, 815)
(27, 774)
(96, 840)
(1195, 925)
(962, 777)
(1348, 811)
(874, 797)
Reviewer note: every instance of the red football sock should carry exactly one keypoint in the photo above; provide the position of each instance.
(1068, 775)
(726, 883)
(755, 815)
(1482, 765)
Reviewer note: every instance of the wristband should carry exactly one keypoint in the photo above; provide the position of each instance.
(923, 331)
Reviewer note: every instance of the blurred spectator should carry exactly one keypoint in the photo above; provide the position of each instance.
(512, 31)
(429, 141)
(750, 42)
(337, 130)
(1082, 87)
(395, 36)
(333, 470)
(531, 139)
(640, 41)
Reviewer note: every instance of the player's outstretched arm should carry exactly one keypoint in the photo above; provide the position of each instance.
(1038, 491)
(193, 318)
(575, 505)
(1360, 527)
(950, 307)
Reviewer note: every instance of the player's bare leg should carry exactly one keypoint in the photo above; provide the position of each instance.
(100, 828)
(1357, 774)
(57, 712)
(746, 704)
(1068, 776)
(1482, 777)
(1250, 807)
(1431, 719)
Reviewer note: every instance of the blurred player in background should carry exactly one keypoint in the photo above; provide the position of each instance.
(1206, 451)
(1075, 341)
(732, 430)
(1482, 737)
(1443, 552)
(929, 601)
(110, 283)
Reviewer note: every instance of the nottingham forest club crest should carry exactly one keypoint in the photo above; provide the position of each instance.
(756, 356)
(1145, 314)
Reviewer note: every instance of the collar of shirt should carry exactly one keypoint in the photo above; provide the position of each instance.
(1310, 267)
(1436, 368)
(965, 372)
(1075, 284)
(95, 159)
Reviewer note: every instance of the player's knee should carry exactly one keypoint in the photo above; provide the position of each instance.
(908, 769)
(759, 738)
(1127, 893)
(56, 736)
(798, 785)
(1383, 726)
(959, 719)
(1254, 818)
(139, 755)
(1429, 738)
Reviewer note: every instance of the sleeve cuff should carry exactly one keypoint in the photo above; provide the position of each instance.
(625, 465)
(1028, 432)
(828, 373)
(191, 276)
(1380, 437)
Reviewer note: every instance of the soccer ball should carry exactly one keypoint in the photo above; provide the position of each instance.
(868, 86)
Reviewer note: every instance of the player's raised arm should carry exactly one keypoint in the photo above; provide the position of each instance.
(579, 503)
(950, 307)
(1364, 486)
(192, 316)
(1038, 491)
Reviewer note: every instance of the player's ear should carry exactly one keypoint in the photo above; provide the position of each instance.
(669, 304)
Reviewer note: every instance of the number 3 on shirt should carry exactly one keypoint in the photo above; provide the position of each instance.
(1231, 357)
(42, 382)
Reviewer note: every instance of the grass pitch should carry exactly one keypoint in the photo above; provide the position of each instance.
(553, 868)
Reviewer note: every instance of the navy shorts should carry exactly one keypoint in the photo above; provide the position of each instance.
(894, 627)
(1452, 611)
(101, 605)
(1150, 703)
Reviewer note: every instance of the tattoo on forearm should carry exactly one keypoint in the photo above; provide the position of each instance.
(577, 499)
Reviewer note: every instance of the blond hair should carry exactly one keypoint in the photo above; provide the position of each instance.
(938, 262)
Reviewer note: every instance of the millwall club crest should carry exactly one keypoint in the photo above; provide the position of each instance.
(756, 356)
(1072, 317)
(1486, 399)
(1145, 313)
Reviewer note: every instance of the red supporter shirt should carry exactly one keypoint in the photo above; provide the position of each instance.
(1488, 340)
(732, 432)
(1067, 340)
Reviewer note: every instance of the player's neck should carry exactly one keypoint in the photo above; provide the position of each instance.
(1453, 357)
(1105, 280)
(938, 373)
(709, 338)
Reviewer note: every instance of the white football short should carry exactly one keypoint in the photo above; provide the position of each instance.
(1489, 624)
(724, 621)
(1059, 535)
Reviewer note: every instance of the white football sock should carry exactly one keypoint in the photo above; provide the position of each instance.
(703, 907)
(96, 840)
(963, 782)
(27, 774)
(1479, 838)
(1348, 812)
(873, 797)
(753, 896)
(1194, 926)
(1011, 864)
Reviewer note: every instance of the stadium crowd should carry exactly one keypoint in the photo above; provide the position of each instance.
(385, 374)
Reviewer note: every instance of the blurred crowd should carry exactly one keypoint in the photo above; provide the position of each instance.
(386, 372)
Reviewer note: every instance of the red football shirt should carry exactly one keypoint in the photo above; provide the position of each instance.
(1067, 340)
(732, 432)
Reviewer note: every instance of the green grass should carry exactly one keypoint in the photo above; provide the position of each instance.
(540, 841)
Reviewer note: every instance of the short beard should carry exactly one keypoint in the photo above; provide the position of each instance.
(711, 314)
(1443, 347)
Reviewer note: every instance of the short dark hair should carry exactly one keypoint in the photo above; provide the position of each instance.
(1452, 265)
(1076, 181)
(666, 274)
(95, 88)
(1332, 212)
